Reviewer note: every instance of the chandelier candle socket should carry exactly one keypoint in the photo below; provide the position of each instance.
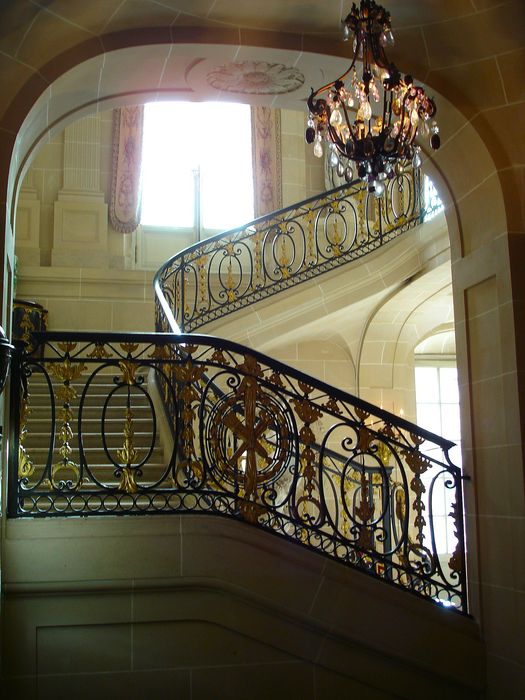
(380, 140)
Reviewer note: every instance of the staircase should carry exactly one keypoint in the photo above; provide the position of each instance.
(179, 426)
(102, 435)
(244, 436)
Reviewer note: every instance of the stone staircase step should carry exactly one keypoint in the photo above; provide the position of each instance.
(41, 425)
(93, 412)
(117, 400)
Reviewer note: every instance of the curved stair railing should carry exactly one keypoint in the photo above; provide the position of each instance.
(232, 270)
(250, 438)
(253, 439)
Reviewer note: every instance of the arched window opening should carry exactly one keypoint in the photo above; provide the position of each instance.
(437, 406)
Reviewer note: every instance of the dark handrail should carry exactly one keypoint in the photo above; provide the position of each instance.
(231, 346)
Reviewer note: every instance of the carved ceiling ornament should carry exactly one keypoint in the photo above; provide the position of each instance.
(256, 78)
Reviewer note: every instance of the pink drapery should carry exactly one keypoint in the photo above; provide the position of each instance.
(124, 208)
(266, 153)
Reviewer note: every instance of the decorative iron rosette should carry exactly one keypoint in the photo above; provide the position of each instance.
(256, 78)
(247, 436)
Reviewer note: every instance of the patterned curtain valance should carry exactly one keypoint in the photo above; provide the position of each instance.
(266, 151)
(124, 208)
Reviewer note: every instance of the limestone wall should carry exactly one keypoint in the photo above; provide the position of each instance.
(71, 260)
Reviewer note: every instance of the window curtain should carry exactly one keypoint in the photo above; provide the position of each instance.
(124, 208)
(266, 154)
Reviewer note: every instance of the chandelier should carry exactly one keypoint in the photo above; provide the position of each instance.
(378, 139)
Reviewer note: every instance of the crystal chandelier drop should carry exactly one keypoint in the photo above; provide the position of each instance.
(372, 120)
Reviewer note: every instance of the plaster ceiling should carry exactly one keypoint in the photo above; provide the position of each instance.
(23, 18)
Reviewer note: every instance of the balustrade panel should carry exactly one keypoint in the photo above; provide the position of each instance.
(250, 438)
(234, 269)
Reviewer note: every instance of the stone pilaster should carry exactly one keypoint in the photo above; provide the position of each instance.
(80, 236)
(28, 223)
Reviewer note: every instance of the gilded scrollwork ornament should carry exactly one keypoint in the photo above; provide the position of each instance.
(99, 352)
(129, 371)
(308, 413)
(67, 372)
(128, 456)
(456, 560)
(26, 325)
(418, 464)
(188, 375)
(25, 464)
(160, 352)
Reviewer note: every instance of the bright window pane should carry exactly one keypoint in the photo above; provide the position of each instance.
(450, 422)
(220, 155)
(437, 401)
(429, 417)
(167, 164)
(433, 203)
(448, 384)
(427, 386)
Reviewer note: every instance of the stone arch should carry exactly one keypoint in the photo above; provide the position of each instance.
(43, 90)
(485, 217)
(393, 328)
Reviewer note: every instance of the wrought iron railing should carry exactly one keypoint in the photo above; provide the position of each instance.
(229, 271)
(249, 438)
(245, 436)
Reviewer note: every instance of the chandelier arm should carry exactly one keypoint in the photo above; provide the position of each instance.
(335, 138)
(349, 125)
(413, 132)
(387, 100)
(401, 136)
(369, 46)
(379, 53)
(341, 78)
(414, 127)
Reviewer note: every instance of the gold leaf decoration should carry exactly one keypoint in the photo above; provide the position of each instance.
(129, 371)
(128, 454)
(67, 346)
(219, 358)
(67, 371)
(333, 406)
(251, 512)
(160, 352)
(129, 348)
(25, 464)
(99, 352)
(250, 366)
(275, 379)
(127, 482)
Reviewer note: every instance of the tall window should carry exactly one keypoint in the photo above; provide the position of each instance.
(437, 400)
(197, 166)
